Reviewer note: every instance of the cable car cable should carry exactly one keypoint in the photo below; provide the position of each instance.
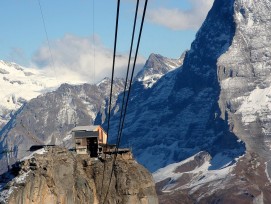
(48, 42)
(127, 73)
(129, 90)
(112, 81)
(133, 69)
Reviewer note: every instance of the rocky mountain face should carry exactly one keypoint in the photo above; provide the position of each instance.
(59, 176)
(49, 118)
(180, 114)
(243, 74)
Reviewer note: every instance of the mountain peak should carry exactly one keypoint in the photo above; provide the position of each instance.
(155, 67)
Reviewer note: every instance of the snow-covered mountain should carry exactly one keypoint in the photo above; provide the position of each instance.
(180, 114)
(49, 118)
(18, 85)
(215, 100)
(229, 65)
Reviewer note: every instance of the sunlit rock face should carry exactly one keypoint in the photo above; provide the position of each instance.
(244, 75)
(56, 175)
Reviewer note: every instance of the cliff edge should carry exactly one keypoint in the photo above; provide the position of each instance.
(60, 176)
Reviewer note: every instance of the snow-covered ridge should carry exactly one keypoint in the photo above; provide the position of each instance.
(170, 170)
(19, 84)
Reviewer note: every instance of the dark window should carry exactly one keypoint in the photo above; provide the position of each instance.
(78, 142)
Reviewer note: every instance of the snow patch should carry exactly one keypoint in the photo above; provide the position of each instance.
(40, 151)
(256, 104)
(209, 177)
(149, 81)
(67, 138)
(199, 176)
(168, 171)
(5, 193)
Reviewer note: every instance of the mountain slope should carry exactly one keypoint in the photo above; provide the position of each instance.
(49, 118)
(180, 115)
(241, 67)
(191, 181)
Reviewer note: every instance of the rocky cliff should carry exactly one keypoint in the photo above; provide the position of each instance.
(244, 76)
(59, 176)
(219, 95)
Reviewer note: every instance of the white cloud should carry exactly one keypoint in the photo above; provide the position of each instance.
(178, 19)
(73, 60)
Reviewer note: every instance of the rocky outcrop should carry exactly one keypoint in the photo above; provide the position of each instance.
(217, 101)
(59, 176)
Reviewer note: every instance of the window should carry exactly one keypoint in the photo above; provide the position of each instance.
(78, 141)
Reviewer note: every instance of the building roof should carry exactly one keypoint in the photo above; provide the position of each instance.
(85, 128)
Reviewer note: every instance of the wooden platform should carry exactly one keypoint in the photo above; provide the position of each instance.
(120, 151)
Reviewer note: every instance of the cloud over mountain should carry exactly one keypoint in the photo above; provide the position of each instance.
(80, 59)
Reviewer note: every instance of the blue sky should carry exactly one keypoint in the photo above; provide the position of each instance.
(169, 29)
